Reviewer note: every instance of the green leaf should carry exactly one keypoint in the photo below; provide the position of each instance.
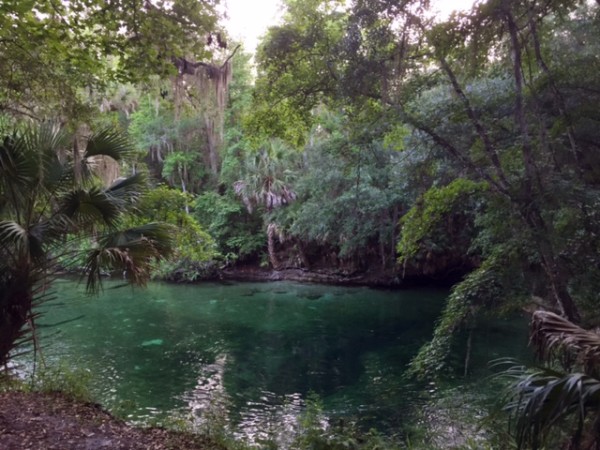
(108, 143)
(89, 206)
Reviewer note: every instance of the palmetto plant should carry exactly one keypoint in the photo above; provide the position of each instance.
(546, 401)
(49, 201)
(268, 183)
(268, 177)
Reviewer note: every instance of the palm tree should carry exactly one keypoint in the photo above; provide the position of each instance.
(268, 183)
(45, 210)
(546, 401)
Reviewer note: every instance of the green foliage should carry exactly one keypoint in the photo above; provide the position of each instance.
(267, 178)
(75, 383)
(45, 199)
(547, 403)
(151, 125)
(347, 195)
(169, 145)
(52, 51)
(239, 234)
(483, 290)
(176, 165)
(240, 89)
(487, 96)
(315, 433)
(58, 378)
(295, 71)
(434, 206)
(193, 245)
(554, 406)
(395, 139)
(282, 120)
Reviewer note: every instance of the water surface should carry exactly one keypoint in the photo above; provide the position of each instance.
(255, 350)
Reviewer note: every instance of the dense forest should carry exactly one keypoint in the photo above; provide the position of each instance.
(365, 142)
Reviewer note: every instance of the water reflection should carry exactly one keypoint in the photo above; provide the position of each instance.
(209, 396)
(271, 417)
(246, 356)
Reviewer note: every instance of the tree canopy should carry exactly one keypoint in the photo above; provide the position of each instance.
(369, 138)
(50, 51)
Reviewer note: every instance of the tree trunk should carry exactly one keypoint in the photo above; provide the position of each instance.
(182, 177)
(302, 254)
(271, 231)
(213, 145)
(531, 172)
(468, 354)
(529, 210)
(557, 276)
(394, 240)
(14, 313)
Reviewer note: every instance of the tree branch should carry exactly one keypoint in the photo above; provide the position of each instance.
(188, 67)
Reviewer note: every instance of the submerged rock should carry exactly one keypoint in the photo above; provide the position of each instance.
(152, 342)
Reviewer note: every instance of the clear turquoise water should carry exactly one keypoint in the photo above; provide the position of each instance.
(255, 350)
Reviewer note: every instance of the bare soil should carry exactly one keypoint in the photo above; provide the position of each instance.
(35, 421)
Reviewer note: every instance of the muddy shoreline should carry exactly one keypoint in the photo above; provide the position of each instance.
(372, 279)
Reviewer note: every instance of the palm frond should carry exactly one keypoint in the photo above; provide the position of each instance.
(128, 189)
(108, 142)
(268, 180)
(55, 228)
(12, 233)
(544, 397)
(90, 206)
(554, 336)
(41, 213)
(45, 144)
(19, 242)
(161, 234)
(46, 140)
(46, 235)
(30, 168)
(18, 166)
(134, 251)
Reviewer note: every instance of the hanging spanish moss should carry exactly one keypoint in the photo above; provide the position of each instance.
(205, 86)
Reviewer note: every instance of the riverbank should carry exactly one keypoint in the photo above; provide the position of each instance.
(47, 421)
(335, 277)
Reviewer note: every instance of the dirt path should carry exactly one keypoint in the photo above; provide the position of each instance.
(33, 421)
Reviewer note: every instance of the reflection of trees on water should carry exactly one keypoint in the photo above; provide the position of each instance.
(274, 418)
(208, 401)
(268, 417)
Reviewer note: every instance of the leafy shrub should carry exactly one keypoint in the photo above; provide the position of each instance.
(194, 247)
(239, 235)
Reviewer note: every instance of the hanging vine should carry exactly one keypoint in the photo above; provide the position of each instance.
(205, 86)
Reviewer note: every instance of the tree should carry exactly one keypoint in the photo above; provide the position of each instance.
(348, 200)
(50, 52)
(513, 141)
(267, 183)
(46, 211)
(295, 70)
(499, 92)
(238, 233)
(193, 248)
